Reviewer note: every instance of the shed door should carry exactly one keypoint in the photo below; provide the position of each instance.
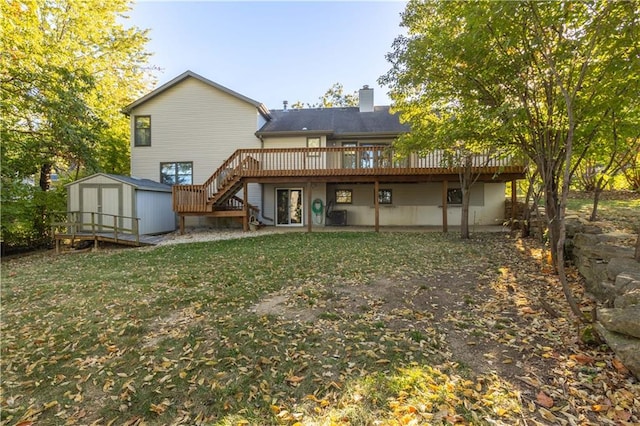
(105, 201)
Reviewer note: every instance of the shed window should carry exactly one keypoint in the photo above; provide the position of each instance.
(142, 130)
(344, 196)
(176, 173)
(384, 196)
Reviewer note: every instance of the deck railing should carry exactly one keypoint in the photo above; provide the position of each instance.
(76, 223)
(325, 162)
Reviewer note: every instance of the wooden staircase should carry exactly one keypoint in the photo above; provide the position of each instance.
(216, 197)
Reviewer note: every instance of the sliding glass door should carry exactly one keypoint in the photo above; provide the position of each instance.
(289, 207)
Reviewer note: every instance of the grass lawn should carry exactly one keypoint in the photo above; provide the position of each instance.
(322, 328)
(622, 213)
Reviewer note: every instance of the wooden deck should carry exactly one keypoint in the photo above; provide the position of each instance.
(92, 226)
(216, 196)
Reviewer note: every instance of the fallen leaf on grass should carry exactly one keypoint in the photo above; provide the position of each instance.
(622, 415)
(158, 408)
(619, 366)
(294, 379)
(582, 359)
(600, 407)
(544, 400)
(547, 415)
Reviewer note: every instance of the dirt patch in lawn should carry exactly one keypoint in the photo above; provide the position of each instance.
(449, 305)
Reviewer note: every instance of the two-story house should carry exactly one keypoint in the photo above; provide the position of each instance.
(297, 167)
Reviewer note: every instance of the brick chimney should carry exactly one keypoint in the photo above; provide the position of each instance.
(366, 99)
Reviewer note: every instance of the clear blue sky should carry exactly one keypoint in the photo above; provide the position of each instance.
(273, 51)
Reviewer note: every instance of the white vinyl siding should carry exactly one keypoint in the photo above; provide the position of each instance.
(157, 212)
(290, 142)
(193, 121)
(420, 204)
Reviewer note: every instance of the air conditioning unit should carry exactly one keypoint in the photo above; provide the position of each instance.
(338, 218)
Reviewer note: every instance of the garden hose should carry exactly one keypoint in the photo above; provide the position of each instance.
(317, 207)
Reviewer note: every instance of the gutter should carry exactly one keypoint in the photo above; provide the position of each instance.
(295, 133)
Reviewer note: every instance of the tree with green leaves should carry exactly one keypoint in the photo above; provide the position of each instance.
(67, 68)
(539, 76)
(613, 153)
(334, 97)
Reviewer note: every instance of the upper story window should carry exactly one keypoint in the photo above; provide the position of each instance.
(179, 173)
(313, 143)
(142, 135)
(349, 158)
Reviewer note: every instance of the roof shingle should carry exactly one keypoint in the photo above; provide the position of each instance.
(335, 121)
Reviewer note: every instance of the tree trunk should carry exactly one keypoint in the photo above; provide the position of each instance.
(464, 219)
(597, 190)
(466, 197)
(553, 223)
(45, 177)
(526, 211)
(40, 218)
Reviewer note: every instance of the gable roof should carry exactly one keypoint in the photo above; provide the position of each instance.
(339, 122)
(262, 109)
(144, 184)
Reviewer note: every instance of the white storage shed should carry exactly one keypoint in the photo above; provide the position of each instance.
(125, 197)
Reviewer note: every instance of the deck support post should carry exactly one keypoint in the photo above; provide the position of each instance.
(445, 225)
(514, 200)
(181, 223)
(308, 206)
(376, 203)
(245, 206)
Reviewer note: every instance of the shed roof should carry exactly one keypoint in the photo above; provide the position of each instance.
(346, 121)
(143, 184)
(262, 109)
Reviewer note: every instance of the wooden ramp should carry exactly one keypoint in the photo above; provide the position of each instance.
(73, 228)
(108, 237)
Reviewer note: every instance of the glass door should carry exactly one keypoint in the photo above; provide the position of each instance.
(289, 207)
(349, 157)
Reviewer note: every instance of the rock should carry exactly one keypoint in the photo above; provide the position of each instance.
(593, 270)
(615, 237)
(621, 320)
(627, 299)
(602, 252)
(622, 264)
(592, 229)
(573, 226)
(604, 291)
(626, 348)
(627, 281)
(585, 240)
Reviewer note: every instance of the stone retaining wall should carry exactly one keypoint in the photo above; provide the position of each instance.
(612, 276)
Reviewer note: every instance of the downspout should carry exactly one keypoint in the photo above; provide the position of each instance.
(270, 219)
